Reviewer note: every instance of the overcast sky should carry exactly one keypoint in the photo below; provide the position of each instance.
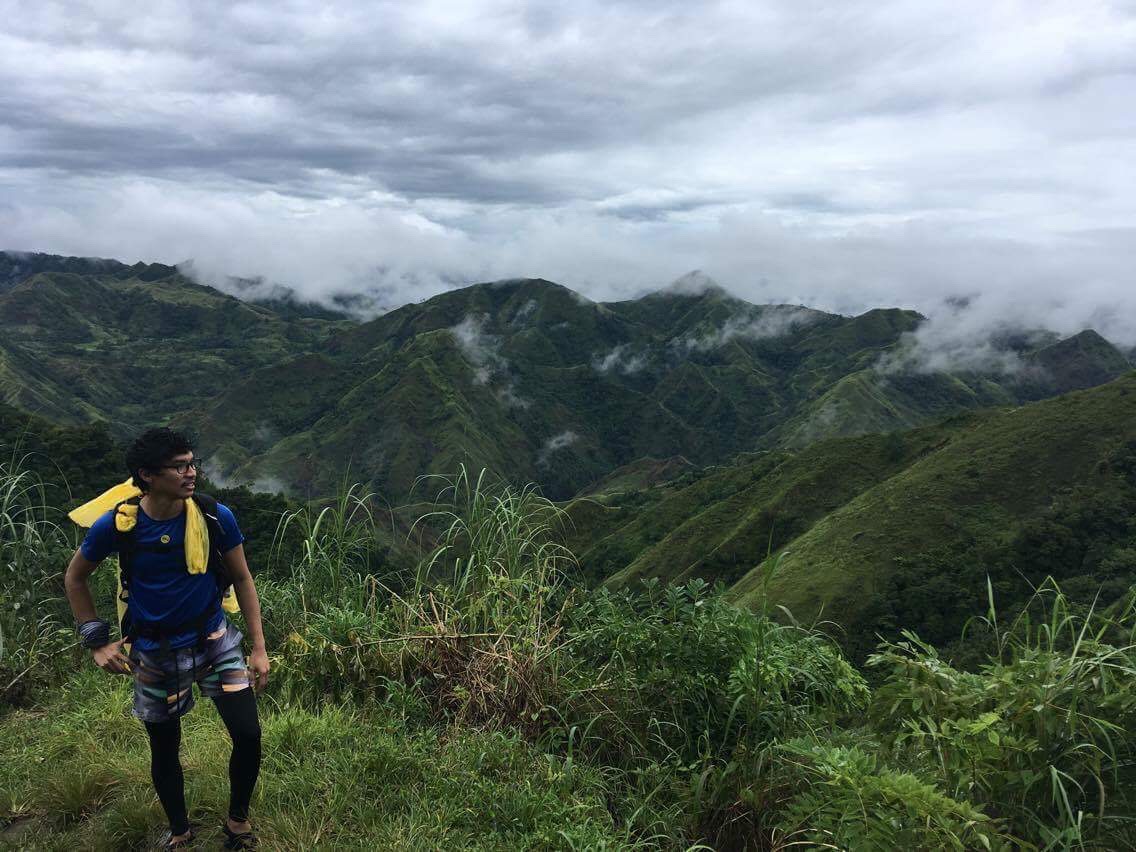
(843, 155)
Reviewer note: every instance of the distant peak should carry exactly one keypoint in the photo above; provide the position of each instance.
(535, 288)
(694, 283)
(1090, 336)
(1086, 341)
(526, 283)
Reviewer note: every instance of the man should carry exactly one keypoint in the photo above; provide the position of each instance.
(180, 633)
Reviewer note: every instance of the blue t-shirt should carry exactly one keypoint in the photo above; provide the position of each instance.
(160, 587)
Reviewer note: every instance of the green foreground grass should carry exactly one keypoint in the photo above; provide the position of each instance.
(487, 702)
(75, 775)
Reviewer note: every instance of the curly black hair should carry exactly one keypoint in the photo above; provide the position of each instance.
(154, 448)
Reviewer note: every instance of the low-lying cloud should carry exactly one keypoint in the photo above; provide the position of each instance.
(555, 444)
(986, 334)
(480, 348)
(524, 312)
(769, 322)
(483, 351)
(620, 359)
(840, 158)
(943, 349)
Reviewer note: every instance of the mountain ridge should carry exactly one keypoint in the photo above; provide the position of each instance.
(523, 376)
(893, 530)
(701, 434)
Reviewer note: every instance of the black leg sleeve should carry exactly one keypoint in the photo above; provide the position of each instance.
(238, 712)
(165, 771)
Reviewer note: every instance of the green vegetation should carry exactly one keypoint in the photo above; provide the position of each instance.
(787, 598)
(524, 377)
(489, 703)
(343, 776)
(72, 462)
(130, 346)
(879, 533)
(1002, 498)
(30, 541)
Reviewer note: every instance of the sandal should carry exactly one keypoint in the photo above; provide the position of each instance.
(166, 841)
(244, 840)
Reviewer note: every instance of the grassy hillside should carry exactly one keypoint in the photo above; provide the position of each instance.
(527, 378)
(968, 500)
(524, 377)
(720, 526)
(639, 474)
(131, 345)
(892, 530)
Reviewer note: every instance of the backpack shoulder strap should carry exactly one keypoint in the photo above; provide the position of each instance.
(207, 503)
(124, 539)
(125, 545)
(208, 506)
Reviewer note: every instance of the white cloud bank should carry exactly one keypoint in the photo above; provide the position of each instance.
(842, 157)
(772, 321)
(620, 359)
(555, 444)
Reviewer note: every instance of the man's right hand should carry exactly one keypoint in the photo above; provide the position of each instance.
(110, 658)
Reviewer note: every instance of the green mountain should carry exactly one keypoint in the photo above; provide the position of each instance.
(717, 523)
(531, 379)
(19, 266)
(1084, 360)
(523, 377)
(1044, 489)
(900, 529)
(700, 433)
(96, 340)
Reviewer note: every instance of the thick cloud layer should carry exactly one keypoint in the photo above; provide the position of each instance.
(842, 156)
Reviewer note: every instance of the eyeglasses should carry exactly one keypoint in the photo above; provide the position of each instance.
(183, 467)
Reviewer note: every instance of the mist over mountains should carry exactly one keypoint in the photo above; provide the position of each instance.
(690, 433)
(679, 425)
(525, 376)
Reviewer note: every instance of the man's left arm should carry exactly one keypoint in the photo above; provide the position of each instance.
(249, 601)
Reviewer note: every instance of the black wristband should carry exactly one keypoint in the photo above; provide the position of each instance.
(94, 634)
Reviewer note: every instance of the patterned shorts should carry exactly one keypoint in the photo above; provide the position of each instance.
(163, 682)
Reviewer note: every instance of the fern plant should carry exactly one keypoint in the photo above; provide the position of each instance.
(845, 798)
(1045, 732)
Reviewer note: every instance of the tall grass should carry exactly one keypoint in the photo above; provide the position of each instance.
(474, 634)
(33, 622)
(485, 701)
(1045, 732)
(487, 605)
(337, 541)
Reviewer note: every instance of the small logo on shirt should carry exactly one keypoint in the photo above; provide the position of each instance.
(165, 539)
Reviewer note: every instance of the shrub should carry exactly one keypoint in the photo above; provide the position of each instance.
(845, 798)
(688, 695)
(681, 667)
(34, 624)
(1045, 732)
